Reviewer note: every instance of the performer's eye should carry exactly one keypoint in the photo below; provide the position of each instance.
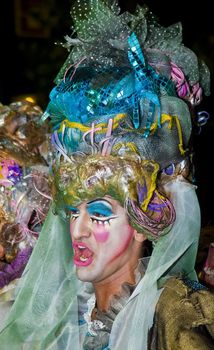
(74, 212)
(74, 216)
(98, 215)
(99, 208)
(100, 211)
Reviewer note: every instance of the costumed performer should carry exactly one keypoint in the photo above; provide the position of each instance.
(122, 115)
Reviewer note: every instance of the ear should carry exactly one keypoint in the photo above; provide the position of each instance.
(139, 237)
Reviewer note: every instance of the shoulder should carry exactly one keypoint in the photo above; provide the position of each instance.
(184, 317)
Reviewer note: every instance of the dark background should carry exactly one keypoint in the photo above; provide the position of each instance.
(30, 60)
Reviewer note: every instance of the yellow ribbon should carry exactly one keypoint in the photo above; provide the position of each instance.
(103, 127)
(85, 128)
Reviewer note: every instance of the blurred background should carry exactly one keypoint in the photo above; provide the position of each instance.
(31, 56)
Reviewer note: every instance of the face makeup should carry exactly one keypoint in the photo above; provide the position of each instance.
(101, 237)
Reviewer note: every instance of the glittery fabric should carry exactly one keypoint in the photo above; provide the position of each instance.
(124, 64)
(20, 134)
(102, 33)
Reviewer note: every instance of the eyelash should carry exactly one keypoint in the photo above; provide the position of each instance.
(93, 219)
(74, 216)
(103, 221)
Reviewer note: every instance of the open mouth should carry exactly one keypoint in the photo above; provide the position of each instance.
(83, 256)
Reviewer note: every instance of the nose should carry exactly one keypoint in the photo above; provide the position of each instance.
(80, 227)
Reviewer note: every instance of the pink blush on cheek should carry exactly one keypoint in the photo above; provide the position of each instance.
(101, 235)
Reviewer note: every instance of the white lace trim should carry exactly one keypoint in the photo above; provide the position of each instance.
(92, 325)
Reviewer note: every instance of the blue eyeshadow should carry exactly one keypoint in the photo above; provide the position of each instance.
(100, 207)
(72, 209)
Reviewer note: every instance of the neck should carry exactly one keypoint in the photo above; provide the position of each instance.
(112, 285)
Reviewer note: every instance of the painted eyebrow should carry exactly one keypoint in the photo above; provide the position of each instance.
(100, 200)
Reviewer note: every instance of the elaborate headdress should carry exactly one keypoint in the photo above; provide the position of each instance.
(121, 120)
(121, 98)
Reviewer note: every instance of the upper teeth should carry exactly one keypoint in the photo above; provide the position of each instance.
(81, 247)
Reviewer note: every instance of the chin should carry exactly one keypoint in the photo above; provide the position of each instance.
(84, 275)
